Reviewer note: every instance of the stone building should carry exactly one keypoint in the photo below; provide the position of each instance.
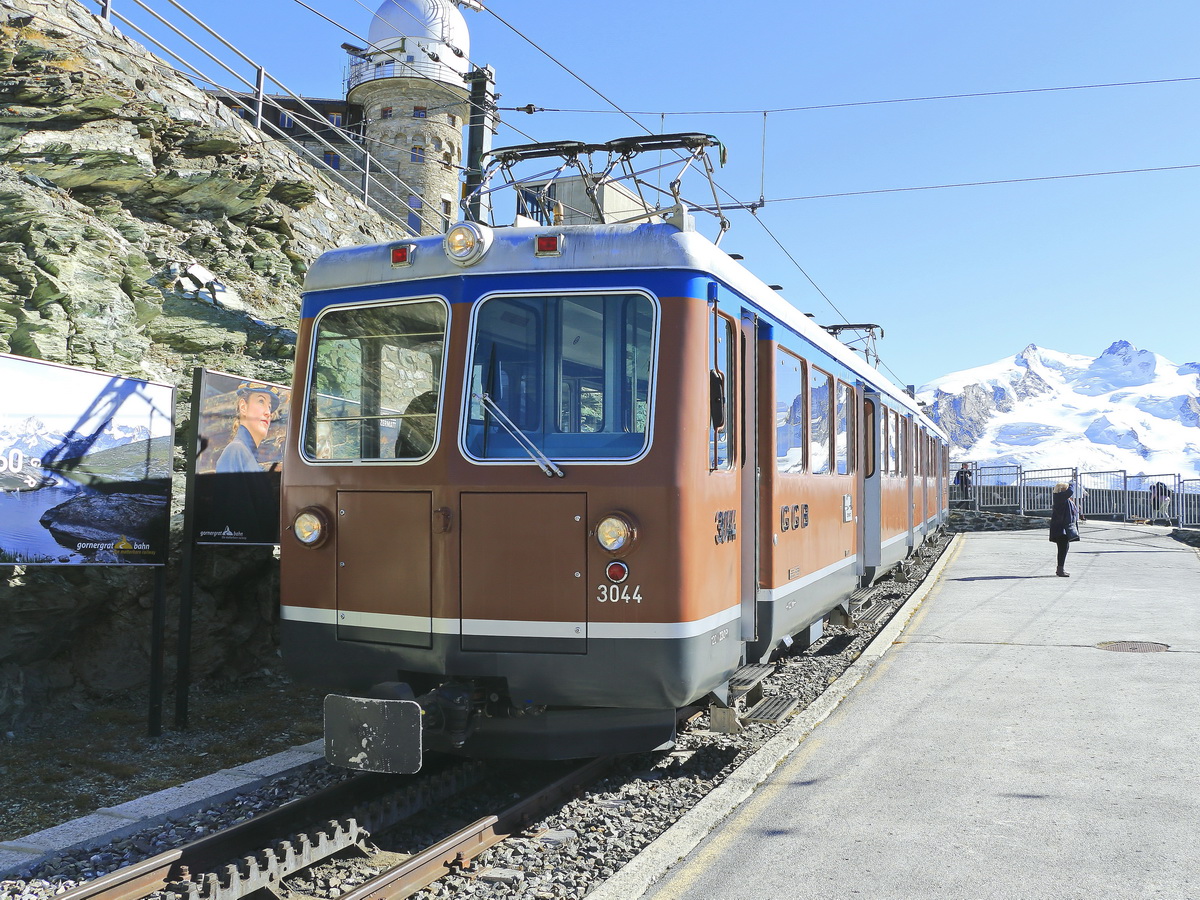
(409, 88)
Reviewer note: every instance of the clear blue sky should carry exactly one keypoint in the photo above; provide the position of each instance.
(957, 277)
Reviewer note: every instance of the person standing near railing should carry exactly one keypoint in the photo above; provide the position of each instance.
(963, 479)
(1064, 524)
(1160, 502)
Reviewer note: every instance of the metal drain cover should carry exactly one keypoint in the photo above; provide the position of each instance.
(1133, 646)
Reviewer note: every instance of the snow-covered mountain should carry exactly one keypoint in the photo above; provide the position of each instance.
(35, 440)
(1125, 409)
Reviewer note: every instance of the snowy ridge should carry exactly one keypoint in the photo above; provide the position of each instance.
(1125, 409)
(34, 439)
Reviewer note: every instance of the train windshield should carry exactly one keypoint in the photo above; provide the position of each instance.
(572, 372)
(375, 387)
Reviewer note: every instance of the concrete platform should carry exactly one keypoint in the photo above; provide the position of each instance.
(996, 750)
(112, 823)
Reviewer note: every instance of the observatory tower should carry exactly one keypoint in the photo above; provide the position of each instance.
(410, 85)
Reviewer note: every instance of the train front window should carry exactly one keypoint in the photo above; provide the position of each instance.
(572, 372)
(375, 388)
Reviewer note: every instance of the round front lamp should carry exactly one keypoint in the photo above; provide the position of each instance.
(615, 533)
(467, 243)
(310, 527)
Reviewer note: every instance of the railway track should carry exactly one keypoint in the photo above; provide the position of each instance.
(258, 857)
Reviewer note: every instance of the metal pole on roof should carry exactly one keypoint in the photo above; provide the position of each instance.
(106, 10)
(480, 122)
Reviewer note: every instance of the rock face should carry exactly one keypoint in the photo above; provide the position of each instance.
(144, 230)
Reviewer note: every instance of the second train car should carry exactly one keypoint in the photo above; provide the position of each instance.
(549, 484)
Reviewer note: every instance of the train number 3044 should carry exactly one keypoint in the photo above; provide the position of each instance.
(619, 593)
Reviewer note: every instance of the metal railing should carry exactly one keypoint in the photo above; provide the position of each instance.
(1147, 499)
(1037, 488)
(253, 98)
(368, 70)
(1187, 502)
(1104, 495)
(995, 488)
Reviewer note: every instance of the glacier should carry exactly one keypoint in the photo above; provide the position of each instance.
(1126, 409)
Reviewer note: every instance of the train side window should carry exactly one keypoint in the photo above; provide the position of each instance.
(844, 443)
(820, 422)
(722, 391)
(884, 437)
(894, 445)
(791, 419)
(375, 387)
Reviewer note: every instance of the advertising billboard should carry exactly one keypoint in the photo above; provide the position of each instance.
(85, 466)
(242, 427)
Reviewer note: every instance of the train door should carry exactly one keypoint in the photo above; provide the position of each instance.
(922, 440)
(733, 445)
(384, 586)
(749, 489)
(870, 521)
(909, 468)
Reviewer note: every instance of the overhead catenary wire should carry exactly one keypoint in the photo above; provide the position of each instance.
(565, 68)
(853, 103)
(962, 184)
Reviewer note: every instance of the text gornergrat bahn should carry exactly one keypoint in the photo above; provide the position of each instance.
(551, 482)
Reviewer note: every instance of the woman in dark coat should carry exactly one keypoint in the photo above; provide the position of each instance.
(1064, 523)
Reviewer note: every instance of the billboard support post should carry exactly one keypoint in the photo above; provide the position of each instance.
(157, 640)
(183, 666)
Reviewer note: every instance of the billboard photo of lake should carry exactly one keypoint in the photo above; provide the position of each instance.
(85, 466)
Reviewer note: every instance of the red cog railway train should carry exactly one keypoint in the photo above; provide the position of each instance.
(550, 484)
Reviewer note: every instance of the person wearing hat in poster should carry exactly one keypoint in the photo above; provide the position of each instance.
(244, 501)
(256, 405)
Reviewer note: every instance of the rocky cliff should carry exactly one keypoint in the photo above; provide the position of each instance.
(144, 230)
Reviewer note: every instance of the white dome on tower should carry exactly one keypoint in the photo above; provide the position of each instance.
(434, 24)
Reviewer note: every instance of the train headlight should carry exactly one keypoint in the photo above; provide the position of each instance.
(310, 527)
(615, 533)
(467, 243)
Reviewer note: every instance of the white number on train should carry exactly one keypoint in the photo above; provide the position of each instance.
(619, 593)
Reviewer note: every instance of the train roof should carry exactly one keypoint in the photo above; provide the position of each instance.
(645, 246)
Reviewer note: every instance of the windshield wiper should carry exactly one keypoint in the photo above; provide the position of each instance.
(543, 461)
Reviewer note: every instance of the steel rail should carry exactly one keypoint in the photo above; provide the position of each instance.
(455, 852)
(376, 800)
